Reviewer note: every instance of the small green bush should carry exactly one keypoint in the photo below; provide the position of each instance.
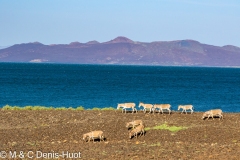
(108, 109)
(7, 107)
(147, 128)
(70, 108)
(96, 109)
(27, 108)
(166, 127)
(61, 108)
(16, 108)
(80, 108)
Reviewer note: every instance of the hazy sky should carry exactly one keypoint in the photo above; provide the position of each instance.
(215, 22)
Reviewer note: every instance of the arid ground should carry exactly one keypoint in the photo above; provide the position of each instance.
(60, 131)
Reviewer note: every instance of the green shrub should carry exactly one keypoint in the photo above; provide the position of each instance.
(7, 107)
(166, 127)
(16, 108)
(80, 108)
(27, 108)
(70, 108)
(147, 128)
(108, 109)
(61, 108)
(96, 109)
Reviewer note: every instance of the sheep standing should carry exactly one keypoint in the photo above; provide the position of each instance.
(126, 106)
(185, 108)
(134, 132)
(162, 107)
(212, 113)
(93, 135)
(134, 123)
(146, 106)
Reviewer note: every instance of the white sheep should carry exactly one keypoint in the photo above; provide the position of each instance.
(126, 106)
(134, 123)
(185, 108)
(162, 107)
(212, 113)
(146, 106)
(134, 132)
(93, 135)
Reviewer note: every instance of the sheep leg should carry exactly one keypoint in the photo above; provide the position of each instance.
(143, 132)
(220, 116)
(89, 139)
(134, 135)
(182, 111)
(101, 138)
(212, 116)
(208, 116)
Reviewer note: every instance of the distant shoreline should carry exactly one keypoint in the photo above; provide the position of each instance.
(106, 64)
(80, 108)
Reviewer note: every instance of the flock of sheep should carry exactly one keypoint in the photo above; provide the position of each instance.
(137, 126)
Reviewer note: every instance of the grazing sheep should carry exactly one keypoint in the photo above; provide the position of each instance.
(126, 106)
(134, 132)
(134, 123)
(146, 106)
(212, 113)
(185, 108)
(93, 135)
(162, 107)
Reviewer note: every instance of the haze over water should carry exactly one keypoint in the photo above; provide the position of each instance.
(72, 85)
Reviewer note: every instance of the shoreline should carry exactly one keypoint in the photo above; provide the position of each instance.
(109, 64)
(81, 108)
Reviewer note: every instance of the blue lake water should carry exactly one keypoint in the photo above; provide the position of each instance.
(72, 85)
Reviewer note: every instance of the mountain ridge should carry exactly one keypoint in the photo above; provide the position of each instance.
(122, 50)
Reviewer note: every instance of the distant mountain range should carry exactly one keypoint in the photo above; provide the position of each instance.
(122, 50)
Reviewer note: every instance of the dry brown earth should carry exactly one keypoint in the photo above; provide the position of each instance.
(61, 131)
